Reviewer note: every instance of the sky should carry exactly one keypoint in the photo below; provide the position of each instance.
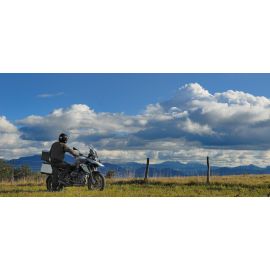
(21, 94)
(181, 117)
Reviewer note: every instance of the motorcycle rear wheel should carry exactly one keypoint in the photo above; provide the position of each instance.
(49, 183)
(50, 187)
(98, 183)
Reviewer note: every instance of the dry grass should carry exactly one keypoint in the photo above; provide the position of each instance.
(221, 186)
(252, 180)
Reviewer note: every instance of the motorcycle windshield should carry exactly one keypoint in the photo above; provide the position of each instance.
(92, 151)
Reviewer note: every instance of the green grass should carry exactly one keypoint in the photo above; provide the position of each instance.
(229, 186)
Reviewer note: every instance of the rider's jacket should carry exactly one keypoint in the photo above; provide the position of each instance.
(58, 150)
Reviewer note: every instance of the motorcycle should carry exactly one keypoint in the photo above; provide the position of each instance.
(84, 172)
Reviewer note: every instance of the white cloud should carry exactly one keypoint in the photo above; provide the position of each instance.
(50, 95)
(233, 127)
(8, 134)
(6, 126)
(11, 144)
(79, 121)
(230, 119)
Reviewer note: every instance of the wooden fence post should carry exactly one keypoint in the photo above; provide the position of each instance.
(208, 171)
(146, 170)
(12, 176)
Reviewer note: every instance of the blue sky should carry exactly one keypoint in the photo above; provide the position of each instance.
(128, 93)
(127, 117)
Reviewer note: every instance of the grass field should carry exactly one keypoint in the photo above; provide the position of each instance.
(226, 186)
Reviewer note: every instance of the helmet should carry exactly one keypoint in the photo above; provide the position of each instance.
(63, 138)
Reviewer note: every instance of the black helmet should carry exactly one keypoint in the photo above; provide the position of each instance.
(63, 138)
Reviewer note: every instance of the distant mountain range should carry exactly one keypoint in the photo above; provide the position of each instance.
(165, 169)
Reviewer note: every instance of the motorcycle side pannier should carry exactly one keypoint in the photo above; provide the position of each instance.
(46, 168)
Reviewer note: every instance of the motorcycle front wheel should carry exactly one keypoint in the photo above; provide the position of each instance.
(98, 182)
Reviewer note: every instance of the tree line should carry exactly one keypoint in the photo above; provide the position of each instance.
(8, 172)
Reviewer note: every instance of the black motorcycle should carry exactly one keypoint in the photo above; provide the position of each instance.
(83, 172)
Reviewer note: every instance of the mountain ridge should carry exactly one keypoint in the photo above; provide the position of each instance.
(164, 169)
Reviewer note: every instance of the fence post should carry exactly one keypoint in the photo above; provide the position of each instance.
(12, 176)
(146, 170)
(208, 171)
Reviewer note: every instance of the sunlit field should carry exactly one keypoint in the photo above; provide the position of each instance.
(226, 186)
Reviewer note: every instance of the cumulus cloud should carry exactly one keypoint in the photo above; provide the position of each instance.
(8, 133)
(231, 126)
(6, 126)
(11, 143)
(79, 121)
(232, 119)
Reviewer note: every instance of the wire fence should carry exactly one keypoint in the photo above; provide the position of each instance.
(181, 168)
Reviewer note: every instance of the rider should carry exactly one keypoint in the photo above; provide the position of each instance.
(57, 155)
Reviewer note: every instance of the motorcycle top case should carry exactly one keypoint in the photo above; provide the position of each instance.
(45, 156)
(46, 168)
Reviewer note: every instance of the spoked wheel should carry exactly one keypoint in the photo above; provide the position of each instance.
(49, 185)
(59, 188)
(98, 182)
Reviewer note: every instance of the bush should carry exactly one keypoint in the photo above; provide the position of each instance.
(22, 172)
(110, 174)
(6, 170)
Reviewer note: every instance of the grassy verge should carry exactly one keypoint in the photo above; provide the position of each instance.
(229, 186)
